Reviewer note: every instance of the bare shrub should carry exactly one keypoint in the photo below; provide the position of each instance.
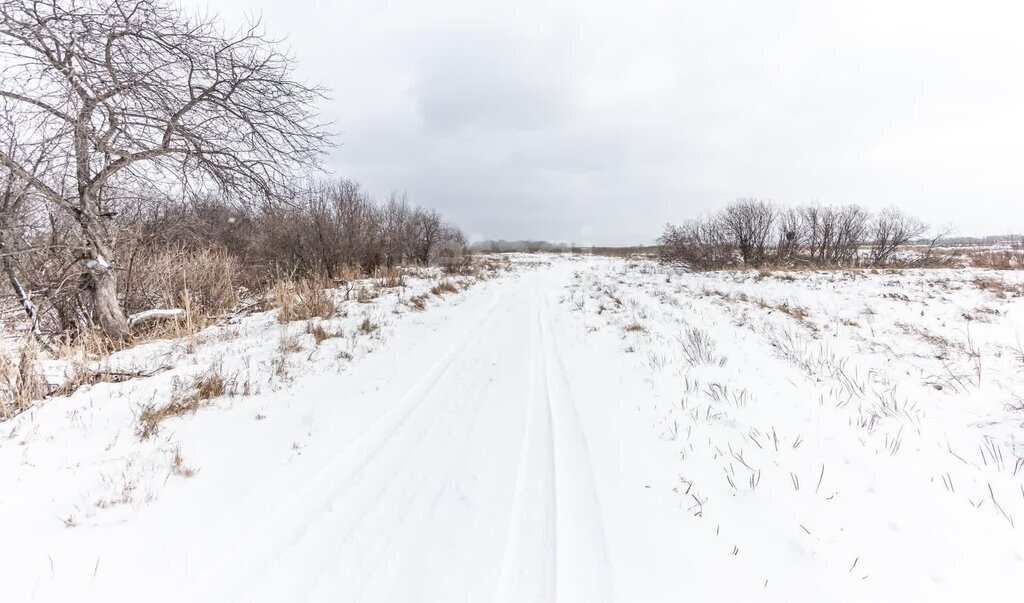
(1008, 258)
(302, 300)
(832, 234)
(750, 224)
(889, 231)
(21, 382)
(699, 244)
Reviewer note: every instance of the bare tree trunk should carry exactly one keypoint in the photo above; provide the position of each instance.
(102, 279)
(108, 311)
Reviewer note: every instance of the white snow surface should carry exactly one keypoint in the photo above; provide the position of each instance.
(579, 429)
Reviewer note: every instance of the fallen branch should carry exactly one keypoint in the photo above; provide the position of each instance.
(150, 315)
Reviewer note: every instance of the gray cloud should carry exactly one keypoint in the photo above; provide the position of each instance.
(492, 80)
(599, 121)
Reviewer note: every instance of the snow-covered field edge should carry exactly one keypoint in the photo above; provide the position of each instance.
(855, 432)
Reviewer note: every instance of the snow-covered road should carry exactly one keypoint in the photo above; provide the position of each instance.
(474, 482)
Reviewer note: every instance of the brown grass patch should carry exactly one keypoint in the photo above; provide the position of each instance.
(178, 466)
(368, 326)
(185, 399)
(21, 382)
(321, 334)
(302, 300)
(444, 287)
(288, 344)
(389, 278)
(419, 302)
(998, 287)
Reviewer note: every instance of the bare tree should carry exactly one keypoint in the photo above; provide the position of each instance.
(128, 93)
(832, 234)
(890, 230)
(395, 217)
(791, 234)
(428, 227)
(750, 223)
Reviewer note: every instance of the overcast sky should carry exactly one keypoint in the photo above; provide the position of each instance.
(598, 121)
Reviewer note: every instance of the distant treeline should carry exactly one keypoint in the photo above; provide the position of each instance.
(750, 232)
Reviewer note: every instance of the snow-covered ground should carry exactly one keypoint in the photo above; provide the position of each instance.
(576, 429)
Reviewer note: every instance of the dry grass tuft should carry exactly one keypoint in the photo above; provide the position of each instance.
(998, 287)
(444, 287)
(185, 399)
(207, 278)
(365, 295)
(798, 312)
(635, 327)
(21, 383)
(368, 326)
(152, 416)
(419, 302)
(178, 466)
(288, 344)
(698, 349)
(302, 300)
(321, 334)
(389, 278)
(998, 259)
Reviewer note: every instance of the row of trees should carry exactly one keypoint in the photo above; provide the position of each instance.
(333, 226)
(751, 232)
(128, 128)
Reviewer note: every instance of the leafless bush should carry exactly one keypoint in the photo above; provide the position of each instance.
(302, 300)
(832, 235)
(891, 230)
(21, 381)
(699, 244)
(750, 223)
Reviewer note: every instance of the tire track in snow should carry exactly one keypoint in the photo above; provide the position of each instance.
(584, 569)
(299, 512)
(528, 571)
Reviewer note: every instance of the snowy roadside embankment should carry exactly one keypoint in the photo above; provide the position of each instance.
(230, 406)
